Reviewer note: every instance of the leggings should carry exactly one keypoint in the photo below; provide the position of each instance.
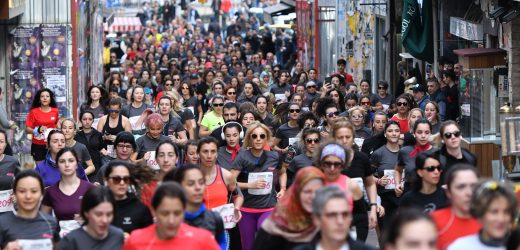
(249, 225)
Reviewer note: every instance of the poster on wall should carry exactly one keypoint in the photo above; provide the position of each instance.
(38, 59)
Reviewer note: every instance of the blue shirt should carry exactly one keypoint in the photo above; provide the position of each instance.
(51, 174)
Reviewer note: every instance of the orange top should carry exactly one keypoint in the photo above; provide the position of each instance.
(216, 193)
(452, 227)
(341, 182)
(403, 124)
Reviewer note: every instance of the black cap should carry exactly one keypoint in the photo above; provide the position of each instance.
(419, 88)
(194, 76)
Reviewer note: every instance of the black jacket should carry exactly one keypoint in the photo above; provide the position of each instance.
(94, 145)
(131, 214)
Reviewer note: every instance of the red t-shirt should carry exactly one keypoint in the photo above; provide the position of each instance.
(452, 227)
(348, 77)
(38, 118)
(403, 124)
(188, 237)
(147, 193)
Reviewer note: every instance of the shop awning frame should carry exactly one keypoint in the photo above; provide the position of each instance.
(124, 24)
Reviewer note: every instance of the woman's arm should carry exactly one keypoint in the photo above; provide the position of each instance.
(397, 176)
(126, 125)
(182, 138)
(90, 167)
(283, 181)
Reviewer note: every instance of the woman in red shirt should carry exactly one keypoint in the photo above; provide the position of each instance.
(404, 105)
(43, 116)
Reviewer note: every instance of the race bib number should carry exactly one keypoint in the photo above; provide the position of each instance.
(6, 201)
(134, 121)
(359, 142)
(66, 226)
(390, 174)
(267, 177)
(227, 212)
(42, 244)
(293, 141)
(95, 123)
(465, 109)
(280, 97)
(152, 162)
(110, 151)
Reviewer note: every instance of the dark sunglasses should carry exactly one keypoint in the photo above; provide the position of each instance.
(294, 110)
(168, 84)
(402, 104)
(381, 87)
(432, 168)
(232, 93)
(329, 164)
(218, 104)
(113, 111)
(448, 135)
(311, 141)
(118, 179)
(176, 79)
(255, 136)
(311, 87)
(332, 114)
(365, 103)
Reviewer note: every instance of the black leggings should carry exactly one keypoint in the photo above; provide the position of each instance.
(360, 221)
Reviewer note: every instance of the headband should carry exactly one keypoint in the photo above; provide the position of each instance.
(333, 149)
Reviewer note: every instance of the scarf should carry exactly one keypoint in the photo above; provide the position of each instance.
(234, 151)
(418, 149)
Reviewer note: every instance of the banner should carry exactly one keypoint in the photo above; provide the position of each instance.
(38, 59)
(417, 30)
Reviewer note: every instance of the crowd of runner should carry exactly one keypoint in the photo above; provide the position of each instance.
(210, 137)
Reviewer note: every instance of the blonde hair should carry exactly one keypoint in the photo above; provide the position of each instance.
(248, 142)
(342, 122)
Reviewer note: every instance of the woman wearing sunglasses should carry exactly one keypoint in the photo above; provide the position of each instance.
(357, 116)
(403, 104)
(113, 123)
(406, 158)
(494, 205)
(212, 119)
(426, 194)
(286, 134)
(130, 212)
(64, 197)
(231, 91)
(327, 109)
(451, 151)
(254, 170)
(310, 137)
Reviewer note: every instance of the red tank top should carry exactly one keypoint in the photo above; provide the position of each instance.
(341, 182)
(216, 193)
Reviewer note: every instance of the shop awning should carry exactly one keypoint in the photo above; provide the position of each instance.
(124, 24)
(283, 8)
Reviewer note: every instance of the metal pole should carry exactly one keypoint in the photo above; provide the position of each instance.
(435, 40)
(336, 42)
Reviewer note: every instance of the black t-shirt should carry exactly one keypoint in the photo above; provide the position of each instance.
(426, 202)
(373, 143)
(359, 167)
(286, 133)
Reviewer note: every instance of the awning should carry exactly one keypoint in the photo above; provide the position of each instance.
(124, 24)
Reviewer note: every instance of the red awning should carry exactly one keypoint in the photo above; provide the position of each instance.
(124, 24)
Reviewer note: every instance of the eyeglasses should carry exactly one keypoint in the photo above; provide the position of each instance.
(330, 164)
(294, 110)
(365, 103)
(311, 87)
(122, 146)
(118, 179)
(255, 136)
(335, 215)
(402, 104)
(332, 114)
(113, 111)
(176, 79)
(312, 141)
(448, 135)
(168, 84)
(380, 87)
(218, 104)
(232, 93)
(357, 117)
(432, 168)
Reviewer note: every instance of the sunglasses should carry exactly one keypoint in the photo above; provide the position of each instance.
(255, 136)
(448, 135)
(118, 179)
(332, 114)
(432, 168)
(218, 104)
(294, 110)
(311, 87)
(365, 103)
(312, 141)
(168, 85)
(330, 164)
(176, 79)
(232, 93)
(402, 104)
(113, 111)
(381, 87)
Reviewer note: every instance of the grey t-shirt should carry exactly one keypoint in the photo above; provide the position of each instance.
(16, 228)
(132, 114)
(174, 125)
(79, 239)
(9, 167)
(300, 161)
(224, 158)
(383, 159)
(247, 163)
(408, 162)
(82, 152)
(146, 144)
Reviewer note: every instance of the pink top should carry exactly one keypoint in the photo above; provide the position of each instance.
(341, 182)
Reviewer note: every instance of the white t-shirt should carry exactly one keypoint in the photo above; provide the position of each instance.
(471, 242)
